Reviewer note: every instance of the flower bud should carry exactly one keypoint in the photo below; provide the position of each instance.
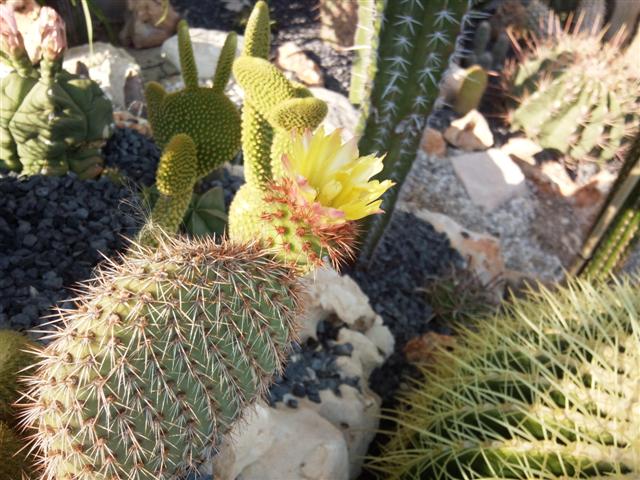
(10, 38)
(52, 33)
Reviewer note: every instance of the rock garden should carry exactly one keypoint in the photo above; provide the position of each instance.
(319, 239)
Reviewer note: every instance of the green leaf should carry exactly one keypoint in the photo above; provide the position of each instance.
(206, 214)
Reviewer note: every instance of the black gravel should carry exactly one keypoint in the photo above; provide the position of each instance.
(133, 154)
(53, 231)
(293, 20)
(311, 367)
(409, 254)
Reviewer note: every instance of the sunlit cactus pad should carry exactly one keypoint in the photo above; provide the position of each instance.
(547, 389)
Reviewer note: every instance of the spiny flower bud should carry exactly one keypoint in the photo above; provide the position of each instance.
(52, 33)
(10, 38)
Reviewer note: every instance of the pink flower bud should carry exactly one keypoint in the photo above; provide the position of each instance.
(52, 32)
(10, 38)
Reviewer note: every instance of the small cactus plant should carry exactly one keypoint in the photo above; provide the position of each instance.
(51, 121)
(206, 114)
(576, 95)
(545, 389)
(14, 461)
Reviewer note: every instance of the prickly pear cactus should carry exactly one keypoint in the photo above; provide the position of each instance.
(51, 121)
(15, 359)
(274, 106)
(397, 84)
(576, 95)
(205, 114)
(547, 389)
(163, 352)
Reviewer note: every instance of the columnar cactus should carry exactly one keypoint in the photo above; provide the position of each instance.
(51, 121)
(546, 389)
(576, 95)
(161, 355)
(273, 107)
(206, 114)
(415, 41)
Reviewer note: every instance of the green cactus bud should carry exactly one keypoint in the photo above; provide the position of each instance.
(14, 464)
(163, 352)
(545, 389)
(205, 114)
(15, 359)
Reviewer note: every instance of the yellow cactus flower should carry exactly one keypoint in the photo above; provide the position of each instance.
(330, 176)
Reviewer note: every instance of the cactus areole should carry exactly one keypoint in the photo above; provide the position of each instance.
(51, 121)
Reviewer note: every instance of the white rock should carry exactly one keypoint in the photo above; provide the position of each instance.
(206, 49)
(341, 113)
(490, 178)
(356, 414)
(364, 350)
(328, 292)
(522, 148)
(470, 132)
(270, 444)
(109, 67)
(381, 337)
(290, 57)
(482, 251)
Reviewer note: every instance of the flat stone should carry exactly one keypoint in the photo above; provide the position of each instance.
(207, 45)
(490, 178)
(433, 142)
(522, 148)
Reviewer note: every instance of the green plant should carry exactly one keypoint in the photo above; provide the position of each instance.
(617, 227)
(494, 58)
(576, 95)
(546, 389)
(206, 214)
(205, 114)
(14, 464)
(161, 355)
(396, 76)
(51, 121)
(274, 107)
(15, 359)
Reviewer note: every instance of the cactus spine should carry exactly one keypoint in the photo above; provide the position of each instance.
(205, 114)
(546, 389)
(51, 121)
(161, 355)
(415, 41)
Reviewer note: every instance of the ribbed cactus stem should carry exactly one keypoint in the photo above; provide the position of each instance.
(416, 41)
(188, 65)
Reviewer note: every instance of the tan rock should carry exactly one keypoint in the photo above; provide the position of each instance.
(470, 132)
(342, 114)
(421, 349)
(481, 250)
(433, 142)
(522, 148)
(490, 178)
(142, 29)
(292, 58)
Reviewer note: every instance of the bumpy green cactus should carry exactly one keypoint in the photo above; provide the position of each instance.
(15, 359)
(619, 223)
(547, 389)
(161, 355)
(175, 177)
(273, 107)
(492, 59)
(51, 121)
(575, 95)
(205, 114)
(415, 42)
(14, 463)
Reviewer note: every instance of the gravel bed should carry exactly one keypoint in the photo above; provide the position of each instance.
(134, 154)
(409, 254)
(294, 20)
(312, 367)
(53, 232)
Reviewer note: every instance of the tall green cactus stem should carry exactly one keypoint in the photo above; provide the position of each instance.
(274, 106)
(575, 95)
(205, 114)
(618, 226)
(175, 178)
(546, 389)
(416, 40)
(163, 352)
(15, 359)
(51, 121)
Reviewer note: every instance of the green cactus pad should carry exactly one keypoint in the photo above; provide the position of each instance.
(15, 359)
(164, 351)
(13, 461)
(547, 389)
(205, 114)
